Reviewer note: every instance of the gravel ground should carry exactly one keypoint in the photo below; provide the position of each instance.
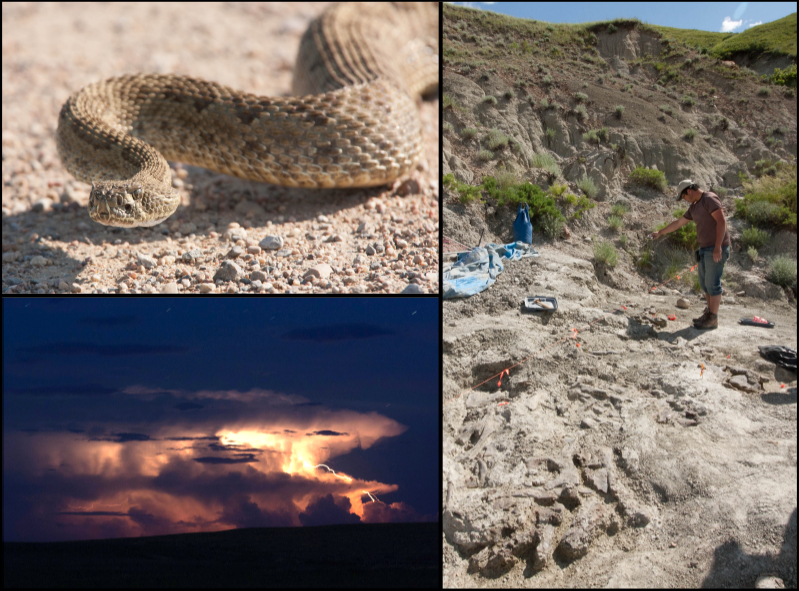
(379, 240)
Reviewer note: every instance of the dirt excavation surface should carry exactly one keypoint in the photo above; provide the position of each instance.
(228, 235)
(651, 455)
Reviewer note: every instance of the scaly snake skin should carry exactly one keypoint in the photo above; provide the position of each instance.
(354, 122)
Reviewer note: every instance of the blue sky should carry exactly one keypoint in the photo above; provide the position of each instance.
(720, 17)
(129, 417)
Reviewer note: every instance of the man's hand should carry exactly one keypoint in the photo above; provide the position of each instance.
(717, 254)
(654, 235)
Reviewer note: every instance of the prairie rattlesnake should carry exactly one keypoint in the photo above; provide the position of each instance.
(353, 123)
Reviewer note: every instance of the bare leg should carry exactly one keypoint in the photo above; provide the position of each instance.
(713, 303)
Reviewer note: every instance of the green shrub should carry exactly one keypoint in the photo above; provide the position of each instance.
(547, 162)
(596, 135)
(764, 91)
(755, 237)
(645, 260)
(752, 252)
(469, 132)
(619, 209)
(496, 139)
(506, 178)
(582, 113)
(547, 80)
(650, 178)
(619, 111)
(687, 101)
(557, 190)
(623, 240)
(615, 223)
(485, 155)
(605, 253)
(466, 193)
(540, 203)
(508, 94)
(782, 271)
(579, 97)
(689, 134)
(587, 186)
(550, 225)
(684, 237)
(491, 100)
(550, 134)
(544, 104)
(583, 204)
(666, 109)
(770, 201)
(785, 77)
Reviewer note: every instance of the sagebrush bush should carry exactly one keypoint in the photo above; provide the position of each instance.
(619, 209)
(496, 139)
(782, 271)
(550, 225)
(652, 178)
(754, 237)
(547, 162)
(605, 253)
(588, 186)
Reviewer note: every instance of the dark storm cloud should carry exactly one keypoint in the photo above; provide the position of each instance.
(94, 513)
(328, 511)
(210, 438)
(243, 512)
(123, 437)
(101, 350)
(337, 332)
(76, 390)
(240, 459)
(110, 321)
(188, 406)
(329, 433)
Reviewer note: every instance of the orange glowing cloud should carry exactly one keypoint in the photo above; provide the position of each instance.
(271, 468)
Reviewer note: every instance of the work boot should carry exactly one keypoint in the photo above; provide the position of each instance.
(710, 321)
(705, 312)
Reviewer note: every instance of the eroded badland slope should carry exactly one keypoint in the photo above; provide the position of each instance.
(636, 450)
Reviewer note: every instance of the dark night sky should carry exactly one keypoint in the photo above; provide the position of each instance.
(129, 417)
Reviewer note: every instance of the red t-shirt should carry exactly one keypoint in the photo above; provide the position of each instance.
(700, 212)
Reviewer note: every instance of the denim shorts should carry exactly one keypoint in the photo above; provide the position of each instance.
(710, 271)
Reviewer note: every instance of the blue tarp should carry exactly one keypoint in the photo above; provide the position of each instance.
(477, 270)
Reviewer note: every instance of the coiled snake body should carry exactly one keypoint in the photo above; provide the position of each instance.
(353, 123)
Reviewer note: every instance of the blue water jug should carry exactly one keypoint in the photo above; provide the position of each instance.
(522, 228)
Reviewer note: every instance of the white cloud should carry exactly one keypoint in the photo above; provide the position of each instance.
(755, 24)
(730, 25)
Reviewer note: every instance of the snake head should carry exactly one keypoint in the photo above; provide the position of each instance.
(128, 205)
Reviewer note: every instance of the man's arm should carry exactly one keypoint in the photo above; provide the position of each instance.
(721, 229)
(675, 225)
(721, 226)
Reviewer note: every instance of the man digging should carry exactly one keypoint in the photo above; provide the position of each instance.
(714, 245)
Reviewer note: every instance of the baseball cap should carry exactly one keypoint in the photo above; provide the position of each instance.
(682, 186)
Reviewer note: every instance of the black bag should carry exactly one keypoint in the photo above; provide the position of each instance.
(697, 256)
(782, 356)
